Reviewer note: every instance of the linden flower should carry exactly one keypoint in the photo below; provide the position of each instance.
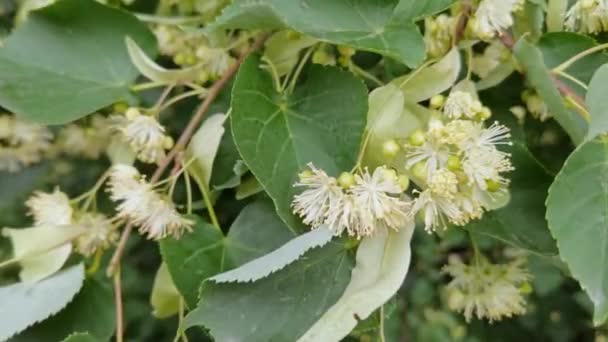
(459, 104)
(322, 195)
(99, 234)
(436, 210)
(21, 143)
(146, 208)
(486, 290)
(587, 16)
(443, 183)
(215, 61)
(377, 196)
(438, 35)
(494, 16)
(146, 136)
(50, 208)
(469, 135)
(85, 141)
(483, 165)
(433, 153)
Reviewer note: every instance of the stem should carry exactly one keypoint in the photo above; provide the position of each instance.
(180, 333)
(275, 75)
(183, 140)
(476, 252)
(463, 20)
(188, 191)
(155, 19)
(147, 85)
(96, 262)
(469, 62)
(296, 75)
(180, 97)
(118, 303)
(209, 204)
(381, 328)
(579, 109)
(565, 65)
(162, 98)
(366, 74)
(571, 78)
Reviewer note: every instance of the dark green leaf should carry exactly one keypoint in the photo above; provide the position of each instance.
(205, 252)
(386, 27)
(577, 211)
(68, 60)
(278, 134)
(80, 337)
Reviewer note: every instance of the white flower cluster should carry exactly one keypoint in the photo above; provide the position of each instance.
(21, 143)
(146, 208)
(438, 34)
(85, 140)
(357, 204)
(588, 16)
(486, 290)
(145, 135)
(493, 16)
(55, 209)
(192, 50)
(456, 162)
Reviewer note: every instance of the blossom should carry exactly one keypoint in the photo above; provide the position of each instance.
(22, 143)
(214, 61)
(139, 202)
(99, 233)
(50, 208)
(486, 290)
(494, 16)
(443, 183)
(486, 164)
(587, 16)
(145, 135)
(320, 198)
(87, 141)
(433, 153)
(459, 104)
(436, 210)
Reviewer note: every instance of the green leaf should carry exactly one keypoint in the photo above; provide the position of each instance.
(68, 60)
(531, 59)
(521, 222)
(280, 307)
(278, 134)
(247, 188)
(205, 252)
(597, 102)
(577, 212)
(386, 27)
(165, 297)
(276, 260)
(422, 85)
(282, 50)
(383, 261)
(92, 311)
(25, 303)
(41, 251)
(80, 337)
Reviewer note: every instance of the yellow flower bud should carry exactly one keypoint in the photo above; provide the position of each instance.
(346, 51)
(167, 142)
(132, 113)
(484, 114)
(453, 163)
(492, 185)
(418, 138)
(346, 180)
(404, 182)
(120, 107)
(437, 101)
(390, 148)
(419, 170)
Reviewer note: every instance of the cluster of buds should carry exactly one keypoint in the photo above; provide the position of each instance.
(486, 290)
(357, 203)
(87, 140)
(153, 213)
(192, 50)
(455, 162)
(438, 34)
(22, 143)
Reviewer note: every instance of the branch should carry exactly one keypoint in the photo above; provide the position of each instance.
(113, 269)
(463, 20)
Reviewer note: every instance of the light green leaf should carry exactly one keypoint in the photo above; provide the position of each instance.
(203, 148)
(149, 68)
(431, 80)
(247, 188)
(41, 251)
(556, 13)
(278, 134)
(165, 297)
(280, 307)
(205, 252)
(577, 212)
(68, 60)
(496, 76)
(276, 260)
(367, 25)
(282, 50)
(531, 59)
(382, 263)
(597, 103)
(24, 304)
(96, 299)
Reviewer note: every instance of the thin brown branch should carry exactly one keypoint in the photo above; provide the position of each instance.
(463, 20)
(118, 303)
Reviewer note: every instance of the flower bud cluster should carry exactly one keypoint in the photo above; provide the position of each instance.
(492, 17)
(21, 143)
(438, 34)
(587, 16)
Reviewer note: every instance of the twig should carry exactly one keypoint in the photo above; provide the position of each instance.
(113, 269)
(463, 20)
(118, 303)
